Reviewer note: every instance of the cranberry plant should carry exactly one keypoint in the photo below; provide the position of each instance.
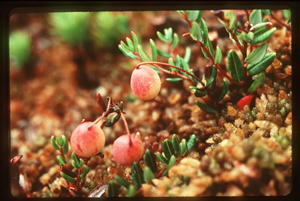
(249, 32)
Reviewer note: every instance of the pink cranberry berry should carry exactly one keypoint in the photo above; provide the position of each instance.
(126, 154)
(145, 83)
(87, 140)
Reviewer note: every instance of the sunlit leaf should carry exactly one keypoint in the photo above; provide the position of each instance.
(173, 79)
(65, 147)
(255, 17)
(257, 55)
(182, 146)
(175, 143)
(263, 36)
(259, 80)
(68, 178)
(163, 54)
(286, 13)
(192, 15)
(187, 55)
(162, 37)
(144, 56)
(235, 66)
(148, 175)
(135, 40)
(130, 44)
(206, 108)
(190, 144)
(262, 65)
(153, 50)
(85, 171)
(218, 56)
(196, 33)
(131, 191)
(224, 89)
(127, 53)
(175, 40)
(60, 160)
(170, 164)
(267, 11)
(53, 142)
(204, 30)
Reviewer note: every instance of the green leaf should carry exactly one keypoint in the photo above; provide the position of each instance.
(53, 142)
(249, 36)
(162, 37)
(130, 44)
(135, 41)
(190, 144)
(60, 141)
(137, 175)
(175, 40)
(267, 11)
(192, 15)
(161, 158)
(163, 54)
(176, 145)
(127, 53)
(261, 66)
(206, 108)
(122, 181)
(259, 80)
(218, 56)
(171, 61)
(148, 175)
(65, 147)
(204, 30)
(170, 164)
(286, 13)
(178, 61)
(198, 92)
(263, 36)
(144, 56)
(60, 160)
(213, 76)
(153, 50)
(76, 163)
(150, 160)
(232, 23)
(173, 79)
(257, 55)
(255, 17)
(112, 189)
(168, 34)
(168, 148)
(235, 66)
(196, 32)
(242, 36)
(210, 48)
(187, 55)
(68, 178)
(131, 191)
(183, 146)
(199, 16)
(224, 89)
(260, 28)
(85, 171)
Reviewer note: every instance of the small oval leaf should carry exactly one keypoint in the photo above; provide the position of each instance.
(259, 80)
(196, 32)
(257, 55)
(85, 171)
(53, 142)
(192, 15)
(130, 44)
(235, 66)
(126, 53)
(213, 76)
(162, 37)
(153, 50)
(190, 144)
(60, 160)
(150, 160)
(148, 175)
(131, 191)
(224, 90)
(135, 41)
(137, 175)
(218, 56)
(174, 79)
(187, 55)
(206, 108)
(144, 56)
(161, 158)
(175, 143)
(163, 54)
(255, 17)
(263, 36)
(168, 148)
(198, 92)
(122, 181)
(112, 190)
(170, 164)
(68, 178)
(263, 65)
(175, 40)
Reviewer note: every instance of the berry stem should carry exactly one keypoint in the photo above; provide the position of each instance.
(156, 63)
(280, 22)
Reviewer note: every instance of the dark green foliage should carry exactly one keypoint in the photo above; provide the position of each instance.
(259, 80)
(262, 65)
(112, 189)
(137, 175)
(235, 66)
(206, 107)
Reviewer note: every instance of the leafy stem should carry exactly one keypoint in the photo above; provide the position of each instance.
(280, 22)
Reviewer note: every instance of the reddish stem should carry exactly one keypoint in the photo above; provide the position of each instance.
(281, 23)
(172, 73)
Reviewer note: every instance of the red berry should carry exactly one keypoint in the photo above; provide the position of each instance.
(87, 141)
(145, 83)
(125, 154)
(244, 101)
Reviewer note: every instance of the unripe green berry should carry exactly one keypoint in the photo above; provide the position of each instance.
(125, 152)
(145, 83)
(87, 139)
